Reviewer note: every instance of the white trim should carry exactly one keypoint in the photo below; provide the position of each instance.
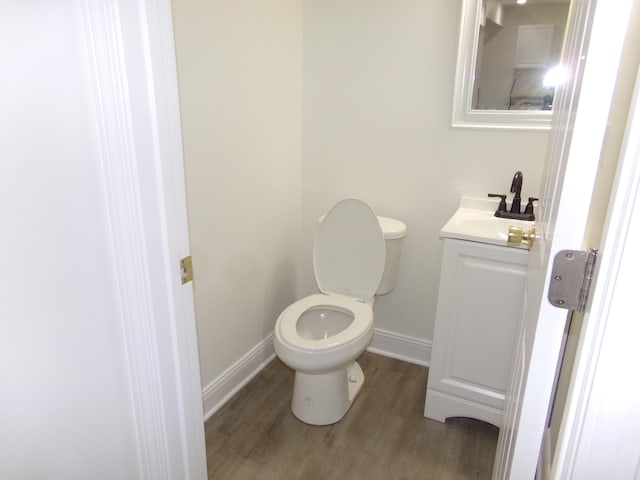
(135, 92)
(130, 253)
(463, 115)
(442, 406)
(401, 347)
(612, 302)
(218, 392)
(162, 90)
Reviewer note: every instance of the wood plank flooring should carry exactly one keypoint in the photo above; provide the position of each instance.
(383, 435)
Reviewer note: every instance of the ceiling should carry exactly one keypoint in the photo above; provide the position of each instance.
(532, 2)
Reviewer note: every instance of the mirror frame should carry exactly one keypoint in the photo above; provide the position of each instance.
(463, 115)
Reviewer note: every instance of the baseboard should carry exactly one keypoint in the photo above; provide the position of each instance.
(400, 347)
(440, 406)
(388, 344)
(218, 392)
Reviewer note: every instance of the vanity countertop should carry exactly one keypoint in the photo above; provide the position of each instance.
(475, 221)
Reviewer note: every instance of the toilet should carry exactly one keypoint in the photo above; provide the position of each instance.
(355, 257)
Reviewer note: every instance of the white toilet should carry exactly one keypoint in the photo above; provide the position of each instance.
(355, 257)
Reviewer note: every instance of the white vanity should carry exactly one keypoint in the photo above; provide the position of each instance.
(480, 304)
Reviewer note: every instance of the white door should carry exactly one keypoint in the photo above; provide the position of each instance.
(601, 419)
(580, 119)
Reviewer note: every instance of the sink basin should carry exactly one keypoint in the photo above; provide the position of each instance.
(478, 225)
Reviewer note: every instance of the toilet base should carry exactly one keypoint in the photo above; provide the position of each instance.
(325, 398)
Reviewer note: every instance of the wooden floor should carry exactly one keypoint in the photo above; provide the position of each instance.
(383, 435)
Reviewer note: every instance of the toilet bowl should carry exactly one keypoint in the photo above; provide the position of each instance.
(355, 257)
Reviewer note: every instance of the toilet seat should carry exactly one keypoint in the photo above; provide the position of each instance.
(349, 251)
(360, 326)
(348, 261)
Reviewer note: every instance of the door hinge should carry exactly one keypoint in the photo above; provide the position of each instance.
(186, 269)
(571, 278)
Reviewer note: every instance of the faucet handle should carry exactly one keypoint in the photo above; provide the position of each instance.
(528, 210)
(502, 207)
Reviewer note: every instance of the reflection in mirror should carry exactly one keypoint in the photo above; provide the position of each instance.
(518, 44)
(506, 55)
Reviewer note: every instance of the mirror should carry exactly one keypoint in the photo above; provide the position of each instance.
(506, 58)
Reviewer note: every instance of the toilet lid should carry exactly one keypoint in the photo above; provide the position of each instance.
(349, 251)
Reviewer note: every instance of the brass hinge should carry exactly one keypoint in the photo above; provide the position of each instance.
(186, 269)
(571, 278)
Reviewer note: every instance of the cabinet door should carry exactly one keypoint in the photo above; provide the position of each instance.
(479, 306)
(533, 46)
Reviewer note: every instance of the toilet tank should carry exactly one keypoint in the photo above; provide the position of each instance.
(394, 232)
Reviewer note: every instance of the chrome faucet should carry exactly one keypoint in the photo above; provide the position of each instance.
(516, 188)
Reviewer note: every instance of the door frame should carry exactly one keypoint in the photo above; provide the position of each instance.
(601, 420)
(129, 43)
(578, 130)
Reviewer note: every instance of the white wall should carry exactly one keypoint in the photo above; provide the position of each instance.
(239, 71)
(288, 107)
(377, 89)
(64, 396)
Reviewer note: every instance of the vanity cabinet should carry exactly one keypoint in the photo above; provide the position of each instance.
(480, 304)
